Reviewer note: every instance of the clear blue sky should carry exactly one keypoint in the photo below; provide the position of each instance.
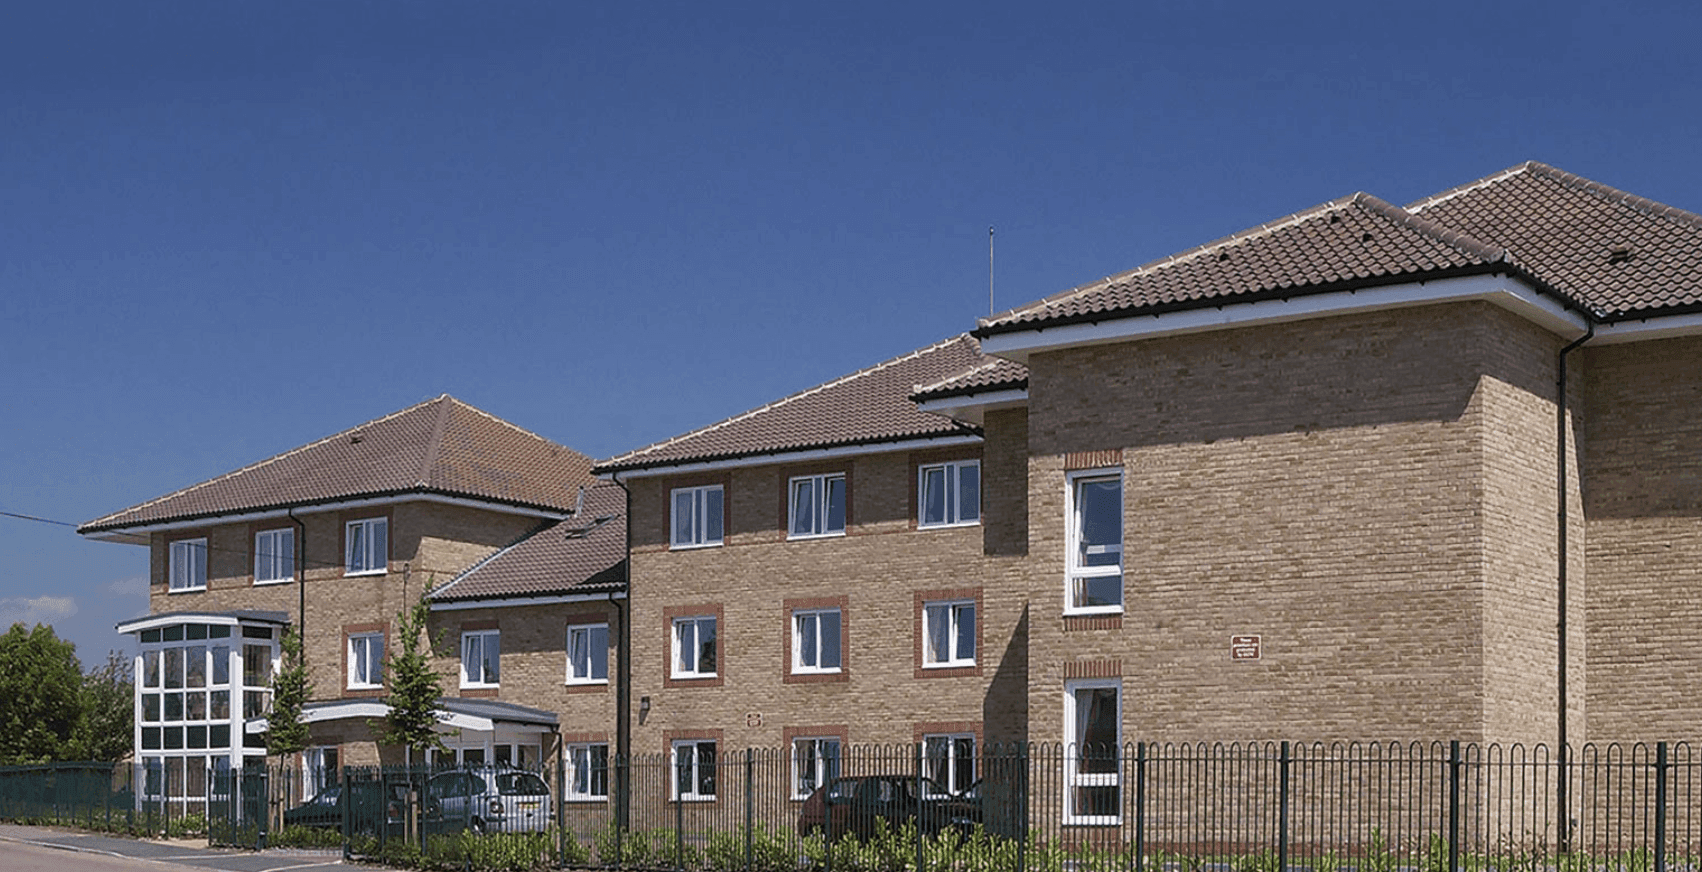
(231, 228)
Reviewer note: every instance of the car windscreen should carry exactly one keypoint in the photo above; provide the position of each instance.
(520, 784)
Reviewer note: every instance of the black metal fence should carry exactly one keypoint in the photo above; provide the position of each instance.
(1242, 807)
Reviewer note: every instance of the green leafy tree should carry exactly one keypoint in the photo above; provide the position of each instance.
(107, 712)
(285, 733)
(414, 687)
(40, 694)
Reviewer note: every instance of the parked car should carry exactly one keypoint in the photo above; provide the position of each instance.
(325, 809)
(486, 800)
(852, 804)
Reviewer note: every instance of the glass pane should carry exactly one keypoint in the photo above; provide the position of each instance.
(1099, 511)
(803, 507)
(682, 770)
(380, 544)
(1095, 801)
(963, 764)
(493, 658)
(683, 517)
(1096, 729)
(808, 644)
(219, 705)
(150, 668)
(835, 522)
(687, 632)
(599, 652)
(579, 652)
(197, 666)
(969, 492)
(1103, 590)
(174, 707)
(804, 762)
(257, 665)
(966, 632)
(221, 665)
(174, 667)
(829, 633)
(355, 560)
(934, 495)
(706, 768)
(151, 707)
(706, 646)
(712, 515)
(195, 708)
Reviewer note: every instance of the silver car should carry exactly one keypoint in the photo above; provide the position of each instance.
(492, 800)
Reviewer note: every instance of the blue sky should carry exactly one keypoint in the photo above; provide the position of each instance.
(235, 227)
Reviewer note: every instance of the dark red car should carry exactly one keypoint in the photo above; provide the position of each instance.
(852, 804)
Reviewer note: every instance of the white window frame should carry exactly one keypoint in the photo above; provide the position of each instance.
(681, 669)
(186, 566)
(1075, 572)
(371, 563)
(699, 535)
(579, 768)
(319, 764)
(1073, 776)
(486, 639)
(280, 548)
(826, 756)
(819, 508)
(953, 611)
(957, 513)
(695, 794)
(801, 617)
(950, 741)
(584, 673)
(367, 642)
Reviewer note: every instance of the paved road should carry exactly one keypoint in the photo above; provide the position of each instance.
(26, 849)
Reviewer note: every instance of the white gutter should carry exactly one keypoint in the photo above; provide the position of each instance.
(953, 406)
(129, 532)
(1647, 329)
(522, 601)
(793, 457)
(1505, 291)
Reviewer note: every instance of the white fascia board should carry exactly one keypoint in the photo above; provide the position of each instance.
(1505, 291)
(1648, 329)
(120, 533)
(339, 711)
(957, 406)
(793, 457)
(153, 622)
(526, 601)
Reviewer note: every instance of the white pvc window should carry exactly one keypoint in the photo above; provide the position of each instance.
(697, 517)
(694, 647)
(588, 654)
(816, 640)
(188, 564)
(1095, 547)
(949, 494)
(694, 770)
(818, 506)
(815, 762)
(366, 545)
(1093, 716)
(948, 761)
(588, 772)
(274, 556)
(481, 658)
(366, 660)
(948, 633)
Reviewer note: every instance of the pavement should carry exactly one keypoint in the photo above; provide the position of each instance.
(20, 843)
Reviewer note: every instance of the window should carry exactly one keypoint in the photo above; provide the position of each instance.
(366, 545)
(1093, 721)
(588, 771)
(481, 658)
(950, 494)
(948, 634)
(697, 517)
(815, 762)
(274, 556)
(588, 654)
(818, 506)
(366, 660)
(948, 760)
(815, 641)
(1095, 543)
(319, 767)
(694, 647)
(694, 770)
(189, 564)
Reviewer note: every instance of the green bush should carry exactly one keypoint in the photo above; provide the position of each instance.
(771, 851)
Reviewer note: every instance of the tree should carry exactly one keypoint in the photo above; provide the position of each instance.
(40, 694)
(285, 733)
(414, 687)
(107, 712)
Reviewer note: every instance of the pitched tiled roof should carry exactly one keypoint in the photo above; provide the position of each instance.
(866, 407)
(441, 446)
(1622, 255)
(583, 554)
(996, 374)
(1588, 244)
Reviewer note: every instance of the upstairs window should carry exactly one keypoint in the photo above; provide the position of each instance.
(588, 654)
(818, 506)
(948, 633)
(188, 570)
(481, 658)
(1095, 548)
(697, 516)
(694, 647)
(815, 641)
(274, 556)
(366, 661)
(366, 545)
(949, 494)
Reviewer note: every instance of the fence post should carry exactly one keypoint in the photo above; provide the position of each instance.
(921, 804)
(1023, 782)
(1454, 805)
(1282, 809)
(680, 827)
(1661, 807)
(1139, 854)
(750, 809)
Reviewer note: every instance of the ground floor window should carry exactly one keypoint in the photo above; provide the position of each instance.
(815, 762)
(1093, 716)
(694, 769)
(318, 770)
(948, 761)
(588, 771)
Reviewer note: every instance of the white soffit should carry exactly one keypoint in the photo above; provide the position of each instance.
(804, 456)
(971, 407)
(1504, 291)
